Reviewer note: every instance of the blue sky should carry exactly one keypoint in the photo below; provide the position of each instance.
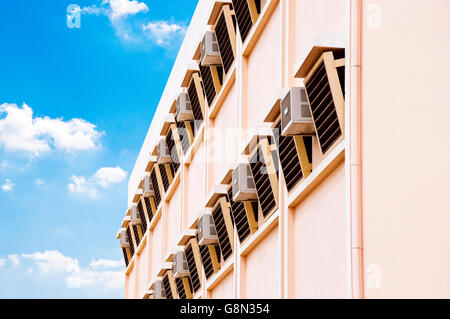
(75, 105)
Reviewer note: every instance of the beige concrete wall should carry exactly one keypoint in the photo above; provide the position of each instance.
(225, 289)
(406, 148)
(318, 228)
(319, 262)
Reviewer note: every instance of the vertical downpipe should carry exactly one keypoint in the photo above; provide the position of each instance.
(357, 266)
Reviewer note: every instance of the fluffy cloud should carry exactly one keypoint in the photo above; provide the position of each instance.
(53, 261)
(76, 277)
(2, 262)
(116, 9)
(104, 178)
(162, 32)
(14, 259)
(19, 131)
(8, 186)
(123, 8)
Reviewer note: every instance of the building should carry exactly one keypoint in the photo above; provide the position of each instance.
(352, 203)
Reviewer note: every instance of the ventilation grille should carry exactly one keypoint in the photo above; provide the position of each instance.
(240, 216)
(223, 39)
(206, 261)
(180, 288)
(195, 102)
(125, 256)
(131, 241)
(182, 132)
(148, 206)
(262, 183)
(224, 240)
(243, 17)
(192, 269)
(323, 108)
(167, 289)
(208, 83)
(155, 188)
(164, 176)
(173, 151)
(136, 235)
(290, 163)
(140, 210)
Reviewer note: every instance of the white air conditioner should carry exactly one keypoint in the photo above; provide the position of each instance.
(184, 109)
(163, 153)
(207, 233)
(180, 267)
(210, 50)
(124, 240)
(135, 217)
(296, 116)
(242, 184)
(160, 292)
(148, 187)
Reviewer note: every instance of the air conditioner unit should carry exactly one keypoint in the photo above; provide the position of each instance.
(210, 50)
(243, 185)
(207, 234)
(184, 108)
(148, 187)
(163, 153)
(160, 292)
(135, 217)
(124, 240)
(296, 116)
(180, 267)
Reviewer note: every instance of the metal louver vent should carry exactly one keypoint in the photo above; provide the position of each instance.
(224, 240)
(208, 83)
(223, 40)
(180, 288)
(207, 261)
(164, 176)
(167, 288)
(323, 107)
(182, 132)
(155, 188)
(136, 235)
(148, 206)
(140, 210)
(240, 216)
(195, 103)
(243, 17)
(125, 256)
(194, 275)
(131, 241)
(261, 177)
(173, 151)
(289, 160)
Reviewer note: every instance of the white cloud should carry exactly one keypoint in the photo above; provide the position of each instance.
(123, 8)
(53, 261)
(105, 263)
(76, 277)
(39, 181)
(116, 9)
(162, 32)
(2, 262)
(81, 186)
(19, 131)
(14, 259)
(8, 186)
(104, 178)
(5, 165)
